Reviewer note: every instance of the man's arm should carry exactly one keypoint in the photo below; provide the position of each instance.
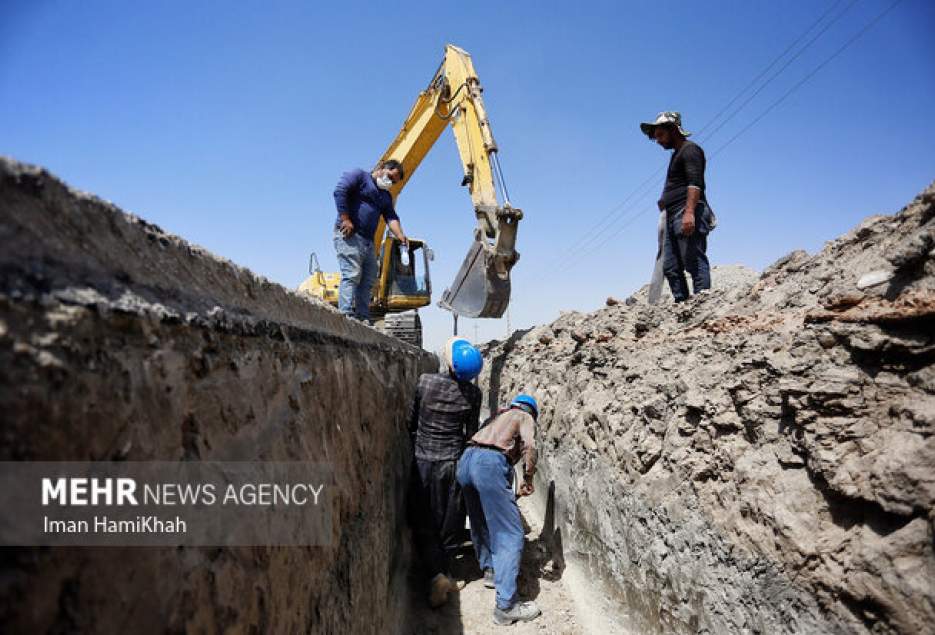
(414, 412)
(694, 170)
(349, 182)
(397, 230)
(473, 423)
(527, 432)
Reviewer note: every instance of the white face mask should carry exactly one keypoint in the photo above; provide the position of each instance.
(384, 182)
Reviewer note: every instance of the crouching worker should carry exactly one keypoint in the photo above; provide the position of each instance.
(485, 473)
(444, 414)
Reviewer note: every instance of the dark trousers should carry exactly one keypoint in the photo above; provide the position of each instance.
(438, 512)
(686, 253)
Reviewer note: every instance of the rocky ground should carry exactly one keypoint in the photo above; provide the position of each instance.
(760, 458)
(569, 605)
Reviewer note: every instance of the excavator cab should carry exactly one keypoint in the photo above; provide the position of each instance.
(403, 282)
(481, 288)
(403, 286)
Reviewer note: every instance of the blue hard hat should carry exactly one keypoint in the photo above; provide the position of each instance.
(463, 359)
(526, 400)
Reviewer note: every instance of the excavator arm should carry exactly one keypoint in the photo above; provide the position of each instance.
(454, 97)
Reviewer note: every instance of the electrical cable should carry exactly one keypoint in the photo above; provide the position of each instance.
(772, 106)
(769, 66)
(781, 69)
(814, 71)
(597, 230)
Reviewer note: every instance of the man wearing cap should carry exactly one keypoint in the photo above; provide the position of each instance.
(688, 216)
(444, 415)
(361, 199)
(485, 473)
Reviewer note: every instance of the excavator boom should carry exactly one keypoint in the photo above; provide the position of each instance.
(481, 287)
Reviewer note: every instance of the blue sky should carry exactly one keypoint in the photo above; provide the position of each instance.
(229, 123)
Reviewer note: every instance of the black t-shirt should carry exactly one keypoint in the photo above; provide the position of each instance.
(686, 167)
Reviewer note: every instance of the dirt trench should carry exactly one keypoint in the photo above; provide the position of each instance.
(761, 458)
(757, 460)
(571, 603)
(120, 342)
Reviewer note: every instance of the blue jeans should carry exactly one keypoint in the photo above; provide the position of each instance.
(358, 271)
(486, 479)
(681, 253)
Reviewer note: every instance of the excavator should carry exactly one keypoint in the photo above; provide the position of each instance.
(481, 288)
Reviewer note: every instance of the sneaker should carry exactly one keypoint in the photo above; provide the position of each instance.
(489, 579)
(438, 593)
(519, 612)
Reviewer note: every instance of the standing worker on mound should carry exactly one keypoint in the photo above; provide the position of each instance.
(444, 414)
(485, 473)
(688, 217)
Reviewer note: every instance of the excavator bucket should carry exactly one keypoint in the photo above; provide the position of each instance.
(481, 289)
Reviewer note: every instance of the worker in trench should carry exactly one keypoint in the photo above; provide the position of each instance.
(485, 473)
(445, 413)
(688, 217)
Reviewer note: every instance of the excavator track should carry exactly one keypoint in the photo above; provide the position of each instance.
(405, 326)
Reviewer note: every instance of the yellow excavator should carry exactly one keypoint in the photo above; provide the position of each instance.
(481, 287)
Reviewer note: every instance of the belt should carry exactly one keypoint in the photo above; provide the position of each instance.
(484, 446)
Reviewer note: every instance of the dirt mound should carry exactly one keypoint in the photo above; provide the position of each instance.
(760, 458)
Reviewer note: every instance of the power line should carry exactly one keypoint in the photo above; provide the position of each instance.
(814, 71)
(782, 68)
(597, 231)
(771, 65)
(772, 106)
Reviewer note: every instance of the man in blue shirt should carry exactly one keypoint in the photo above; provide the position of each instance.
(361, 199)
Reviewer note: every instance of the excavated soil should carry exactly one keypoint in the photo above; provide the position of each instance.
(759, 459)
(120, 342)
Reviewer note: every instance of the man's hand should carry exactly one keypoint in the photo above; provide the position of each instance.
(688, 223)
(688, 215)
(526, 488)
(346, 227)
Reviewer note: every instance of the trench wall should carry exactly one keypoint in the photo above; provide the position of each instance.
(759, 459)
(119, 341)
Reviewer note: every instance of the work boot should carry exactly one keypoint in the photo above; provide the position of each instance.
(489, 578)
(519, 612)
(438, 592)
